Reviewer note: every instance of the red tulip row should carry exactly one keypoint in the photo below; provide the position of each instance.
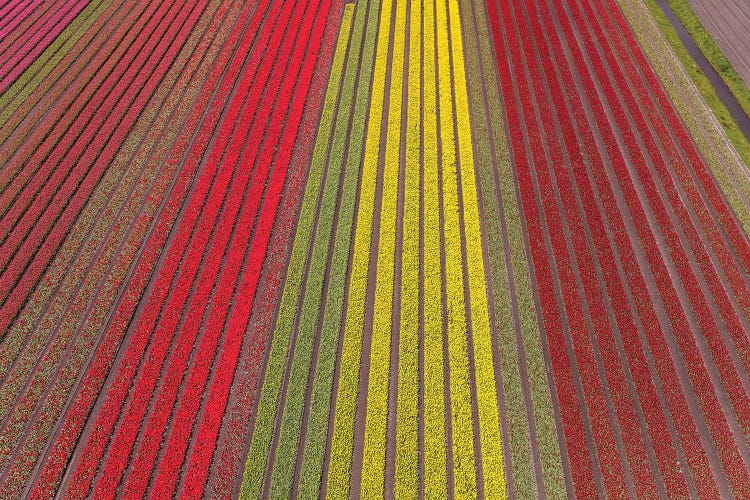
(227, 465)
(49, 242)
(591, 366)
(58, 339)
(16, 17)
(710, 325)
(12, 13)
(232, 182)
(75, 69)
(72, 160)
(23, 17)
(173, 320)
(608, 258)
(194, 136)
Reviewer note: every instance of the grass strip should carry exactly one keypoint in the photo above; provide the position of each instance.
(12, 98)
(728, 168)
(711, 51)
(458, 356)
(373, 464)
(717, 135)
(715, 57)
(691, 179)
(314, 446)
(710, 335)
(254, 469)
(339, 472)
(435, 475)
(489, 419)
(696, 369)
(406, 484)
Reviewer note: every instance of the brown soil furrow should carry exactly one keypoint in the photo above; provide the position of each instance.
(421, 333)
(444, 278)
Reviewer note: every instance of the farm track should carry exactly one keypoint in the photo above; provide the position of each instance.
(383, 248)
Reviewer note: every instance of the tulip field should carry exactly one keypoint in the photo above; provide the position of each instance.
(370, 248)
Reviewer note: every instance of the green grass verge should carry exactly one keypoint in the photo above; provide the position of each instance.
(712, 52)
(721, 143)
(716, 58)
